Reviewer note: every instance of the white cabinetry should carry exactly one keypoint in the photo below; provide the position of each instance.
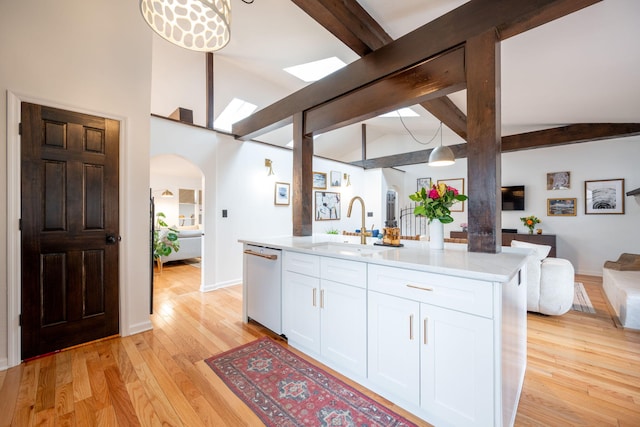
(425, 351)
(324, 309)
(394, 352)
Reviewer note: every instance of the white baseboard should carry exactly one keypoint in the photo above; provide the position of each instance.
(139, 327)
(213, 287)
(4, 364)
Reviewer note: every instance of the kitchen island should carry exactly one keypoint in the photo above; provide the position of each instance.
(440, 333)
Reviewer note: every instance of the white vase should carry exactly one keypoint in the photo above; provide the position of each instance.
(436, 235)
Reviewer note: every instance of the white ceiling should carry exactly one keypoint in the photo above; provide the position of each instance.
(578, 69)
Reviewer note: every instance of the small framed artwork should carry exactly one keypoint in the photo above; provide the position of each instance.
(558, 180)
(561, 207)
(605, 196)
(458, 184)
(327, 206)
(423, 183)
(281, 194)
(320, 180)
(336, 179)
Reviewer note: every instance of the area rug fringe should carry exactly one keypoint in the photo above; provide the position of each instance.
(283, 389)
(581, 301)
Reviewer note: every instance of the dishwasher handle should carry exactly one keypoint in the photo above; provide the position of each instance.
(272, 257)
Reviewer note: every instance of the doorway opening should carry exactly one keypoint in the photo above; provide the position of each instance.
(177, 192)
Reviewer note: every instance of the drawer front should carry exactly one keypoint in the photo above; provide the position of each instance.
(343, 271)
(466, 295)
(301, 263)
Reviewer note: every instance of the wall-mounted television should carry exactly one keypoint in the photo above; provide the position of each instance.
(513, 198)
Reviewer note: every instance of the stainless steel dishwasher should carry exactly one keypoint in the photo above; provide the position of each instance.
(263, 267)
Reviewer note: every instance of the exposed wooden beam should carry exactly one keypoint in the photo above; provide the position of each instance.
(335, 17)
(564, 135)
(428, 80)
(363, 140)
(348, 22)
(210, 94)
(448, 31)
(570, 134)
(448, 113)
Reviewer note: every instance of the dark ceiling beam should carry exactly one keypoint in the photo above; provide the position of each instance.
(432, 79)
(348, 22)
(564, 135)
(362, 34)
(446, 32)
(449, 114)
(570, 134)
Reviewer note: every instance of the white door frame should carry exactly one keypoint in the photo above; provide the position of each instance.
(14, 278)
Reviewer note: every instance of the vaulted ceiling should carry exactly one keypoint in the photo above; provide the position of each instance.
(577, 69)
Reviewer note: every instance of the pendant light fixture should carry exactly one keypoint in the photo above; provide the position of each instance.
(442, 155)
(166, 194)
(200, 25)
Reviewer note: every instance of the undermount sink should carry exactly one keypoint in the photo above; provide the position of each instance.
(353, 249)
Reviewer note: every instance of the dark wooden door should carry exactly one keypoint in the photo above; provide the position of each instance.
(69, 179)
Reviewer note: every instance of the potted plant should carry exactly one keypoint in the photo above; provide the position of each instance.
(165, 239)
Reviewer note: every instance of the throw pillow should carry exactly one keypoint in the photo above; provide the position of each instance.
(541, 251)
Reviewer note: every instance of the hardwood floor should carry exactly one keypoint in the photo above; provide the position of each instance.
(582, 370)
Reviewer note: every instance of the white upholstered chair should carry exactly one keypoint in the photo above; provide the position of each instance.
(550, 281)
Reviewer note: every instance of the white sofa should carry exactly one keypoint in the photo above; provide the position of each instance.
(621, 284)
(190, 245)
(550, 281)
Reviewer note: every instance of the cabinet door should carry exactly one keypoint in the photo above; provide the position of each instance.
(301, 311)
(457, 366)
(343, 326)
(394, 346)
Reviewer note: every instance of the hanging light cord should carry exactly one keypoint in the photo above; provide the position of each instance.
(412, 136)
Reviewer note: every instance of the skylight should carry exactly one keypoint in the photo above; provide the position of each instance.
(312, 71)
(235, 111)
(404, 112)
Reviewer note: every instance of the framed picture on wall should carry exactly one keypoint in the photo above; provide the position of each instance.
(604, 196)
(281, 194)
(561, 207)
(558, 180)
(327, 206)
(423, 183)
(320, 180)
(458, 184)
(336, 179)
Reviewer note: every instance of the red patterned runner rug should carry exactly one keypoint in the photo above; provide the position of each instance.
(286, 390)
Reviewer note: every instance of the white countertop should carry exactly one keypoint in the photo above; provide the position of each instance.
(454, 260)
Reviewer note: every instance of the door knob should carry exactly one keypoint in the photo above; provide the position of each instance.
(112, 239)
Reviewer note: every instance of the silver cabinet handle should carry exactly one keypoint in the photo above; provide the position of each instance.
(426, 319)
(411, 327)
(321, 298)
(314, 296)
(267, 256)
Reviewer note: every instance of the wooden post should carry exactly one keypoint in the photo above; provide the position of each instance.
(302, 179)
(483, 131)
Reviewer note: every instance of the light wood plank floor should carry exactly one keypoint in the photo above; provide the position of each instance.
(582, 370)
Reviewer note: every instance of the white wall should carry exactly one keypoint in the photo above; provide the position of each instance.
(235, 180)
(586, 240)
(91, 57)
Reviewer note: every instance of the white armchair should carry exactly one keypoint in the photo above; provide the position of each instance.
(550, 281)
